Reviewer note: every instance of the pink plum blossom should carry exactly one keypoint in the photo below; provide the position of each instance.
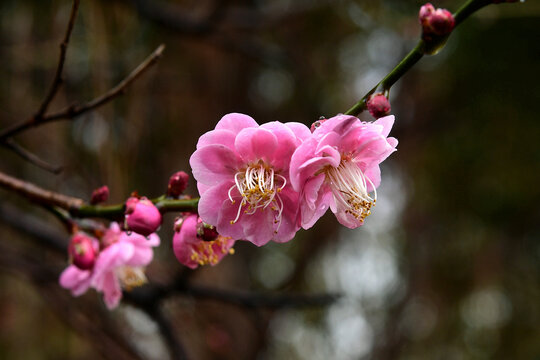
(338, 167)
(119, 265)
(142, 216)
(191, 250)
(242, 173)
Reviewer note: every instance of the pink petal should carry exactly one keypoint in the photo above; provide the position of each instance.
(211, 202)
(386, 122)
(258, 227)
(218, 136)
(253, 144)
(76, 280)
(112, 293)
(300, 130)
(235, 122)
(213, 164)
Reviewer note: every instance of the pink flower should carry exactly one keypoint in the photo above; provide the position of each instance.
(242, 173)
(142, 216)
(119, 265)
(193, 251)
(338, 167)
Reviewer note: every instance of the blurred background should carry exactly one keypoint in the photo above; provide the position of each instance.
(448, 265)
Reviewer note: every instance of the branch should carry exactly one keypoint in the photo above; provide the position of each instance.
(470, 7)
(39, 195)
(31, 157)
(79, 208)
(57, 81)
(73, 111)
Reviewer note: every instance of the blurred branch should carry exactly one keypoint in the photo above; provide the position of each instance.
(73, 111)
(31, 157)
(176, 349)
(469, 8)
(78, 208)
(57, 81)
(39, 195)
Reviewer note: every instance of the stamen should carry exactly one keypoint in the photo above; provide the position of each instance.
(259, 186)
(349, 186)
(131, 277)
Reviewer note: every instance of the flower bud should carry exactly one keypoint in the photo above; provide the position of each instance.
(438, 22)
(378, 105)
(82, 252)
(317, 123)
(206, 231)
(142, 216)
(100, 195)
(178, 182)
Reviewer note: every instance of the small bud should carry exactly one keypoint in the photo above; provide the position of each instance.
(206, 231)
(435, 22)
(177, 184)
(317, 123)
(142, 216)
(100, 195)
(82, 252)
(378, 105)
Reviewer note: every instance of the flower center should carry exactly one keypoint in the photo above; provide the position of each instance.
(131, 277)
(208, 252)
(349, 187)
(259, 186)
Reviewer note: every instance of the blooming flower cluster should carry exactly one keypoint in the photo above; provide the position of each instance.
(262, 183)
(113, 263)
(258, 183)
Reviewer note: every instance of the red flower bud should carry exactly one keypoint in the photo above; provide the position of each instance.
(142, 216)
(177, 184)
(378, 105)
(438, 22)
(317, 123)
(100, 195)
(82, 251)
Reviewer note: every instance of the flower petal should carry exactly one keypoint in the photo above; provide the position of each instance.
(235, 122)
(254, 144)
(213, 164)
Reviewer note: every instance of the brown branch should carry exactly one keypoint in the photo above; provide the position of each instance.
(39, 195)
(31, 157)
(73, 111)
(57, 81)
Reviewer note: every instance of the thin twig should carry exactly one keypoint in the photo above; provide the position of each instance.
(73, 111)
(57, 81)
(39, 195)
(31, 157)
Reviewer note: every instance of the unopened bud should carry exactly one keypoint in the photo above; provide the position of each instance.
(142, 216)
(100, 195)
(317, 123)
(206, 231)
(435, 22)
(82, 252)
(378, 105)
(177, 184)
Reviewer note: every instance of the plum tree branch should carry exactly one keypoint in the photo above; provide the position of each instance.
(422, 48)
(72, 111)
